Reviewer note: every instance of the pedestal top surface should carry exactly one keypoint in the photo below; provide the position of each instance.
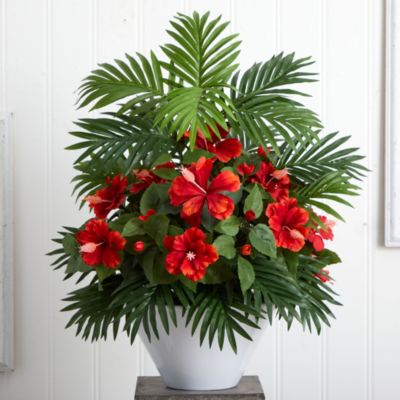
(154, 388)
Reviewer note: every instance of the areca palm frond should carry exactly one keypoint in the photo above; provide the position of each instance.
(264, 110)
(312, 160)
(203, 63)
(217, 317)
(111, 136)
(142, 81)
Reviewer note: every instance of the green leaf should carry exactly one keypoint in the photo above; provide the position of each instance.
(70, 244)
(225, 246)
(328, 257)
(156, 197)
(246, 274)
(291, 260)
(262, 238)
(153, 263)
(188, 283)
(133, 227)
(254, 201)
(218, 272)
(229, 226)
(166, 173)
(156, 226)
(103, 272)
(119, 223)
(76, 264)
(192, 156)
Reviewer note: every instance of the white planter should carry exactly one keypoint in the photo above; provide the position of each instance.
(183, 364)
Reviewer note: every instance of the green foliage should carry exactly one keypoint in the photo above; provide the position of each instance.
(262, 238)
(159, 105)
(156, 197)
(246, 274)
(264, 111)
(229, 226)
(254, 201)
(139, 78)
(214, 314)
(225, 246)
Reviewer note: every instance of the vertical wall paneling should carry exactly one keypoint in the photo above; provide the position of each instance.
(2, 55)
(346, 24)
(71, 39)
(47, 47)
(302, 36)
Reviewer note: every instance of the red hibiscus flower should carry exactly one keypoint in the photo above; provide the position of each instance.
(100, 245)
(245, 169)
(224, 149)
(193, 191)
(275, 182)
(146, 177)
(317, 235)
(287, 223)
(189, 254)
(108, 198)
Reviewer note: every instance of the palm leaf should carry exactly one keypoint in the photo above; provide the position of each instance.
(201, 64)
(138, 78)
(265, 113)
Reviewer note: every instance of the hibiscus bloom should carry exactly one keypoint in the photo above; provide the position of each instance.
(189, 254)
(224, 149)
(100, 245)
(317, 235)
(193, 191)
(108, 198)
(287, 222)
(275, 182)
(146, 177)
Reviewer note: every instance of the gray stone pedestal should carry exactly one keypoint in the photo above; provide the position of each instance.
(153, 388)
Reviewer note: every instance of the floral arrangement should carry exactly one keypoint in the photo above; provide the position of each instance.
(210, 189)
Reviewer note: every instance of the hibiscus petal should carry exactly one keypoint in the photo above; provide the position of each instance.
(193, 206)
(181, 190)
(227, 149)
(173, 262)
(289, 241)
(110, 258)
(225, 181)
(92, 259)
(220, 206)
(202, 170)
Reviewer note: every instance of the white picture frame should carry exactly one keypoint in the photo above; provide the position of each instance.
(392, 119)
(6, 246)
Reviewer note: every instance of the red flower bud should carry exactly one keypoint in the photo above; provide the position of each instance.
(249, 215)
(147, 215)
(245, 169)
(245, 250)
(261, 151)
(138, 246)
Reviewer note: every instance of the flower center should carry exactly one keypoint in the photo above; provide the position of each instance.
(189, 176)
(190, 255)
(89, 247)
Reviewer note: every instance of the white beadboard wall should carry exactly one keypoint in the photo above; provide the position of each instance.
(47, 47)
